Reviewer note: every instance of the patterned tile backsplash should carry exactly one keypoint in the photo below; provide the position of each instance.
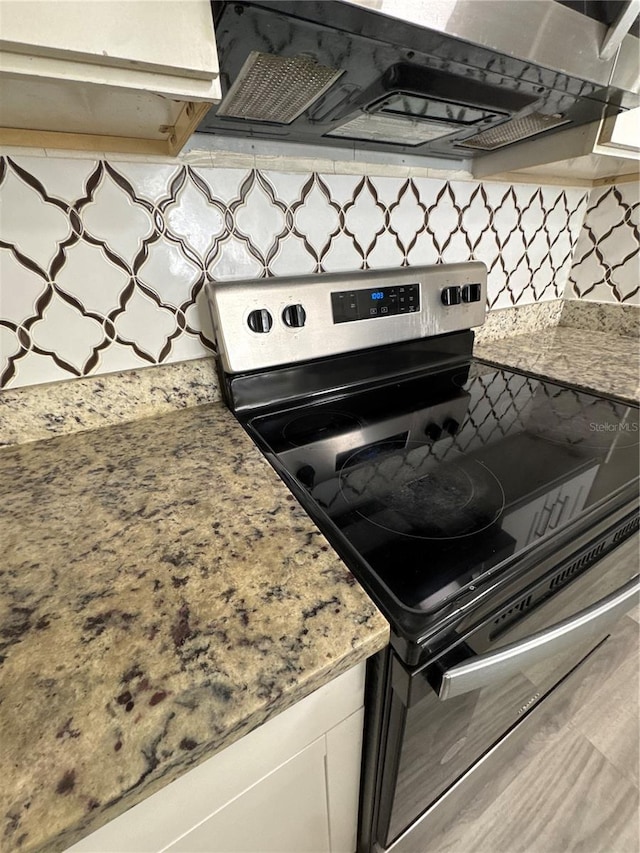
(103, 265)
(607, 256)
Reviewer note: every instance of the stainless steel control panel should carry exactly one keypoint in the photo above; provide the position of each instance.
(261, 323)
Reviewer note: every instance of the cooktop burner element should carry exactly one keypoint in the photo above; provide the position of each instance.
(406, 492)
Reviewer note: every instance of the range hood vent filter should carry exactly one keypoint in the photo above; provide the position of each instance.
(276, 88)
(513, 131)
(399, 131)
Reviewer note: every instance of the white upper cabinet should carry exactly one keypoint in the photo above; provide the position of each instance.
(113, 75)
(621, 135)
(154, 35)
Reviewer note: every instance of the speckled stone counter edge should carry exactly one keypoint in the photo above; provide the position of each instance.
(519, 320)
(367, 649)
(37, 412)
(623, 320)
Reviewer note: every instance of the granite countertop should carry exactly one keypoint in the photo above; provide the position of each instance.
(596, 361)
(161, 594)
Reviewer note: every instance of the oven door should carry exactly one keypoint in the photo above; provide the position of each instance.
(444, 717)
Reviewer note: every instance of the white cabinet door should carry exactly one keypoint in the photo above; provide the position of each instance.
(286, 812)
(622, 134)
(165, 36)
(106, 75)
(344, 756)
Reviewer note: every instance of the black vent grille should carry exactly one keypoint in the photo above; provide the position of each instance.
(627, 530)
(576, 567)
(515, 610)
(562, 577)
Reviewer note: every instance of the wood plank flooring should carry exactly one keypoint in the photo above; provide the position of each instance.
(573, 787)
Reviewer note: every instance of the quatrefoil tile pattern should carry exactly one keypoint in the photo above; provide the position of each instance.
(103, 266)
(606, 263)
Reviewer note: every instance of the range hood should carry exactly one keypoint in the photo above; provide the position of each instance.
(439, 78)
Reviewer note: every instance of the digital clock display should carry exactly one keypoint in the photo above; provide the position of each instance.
(349, 305)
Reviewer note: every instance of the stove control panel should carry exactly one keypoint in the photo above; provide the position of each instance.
(348, 305)
(267, 322)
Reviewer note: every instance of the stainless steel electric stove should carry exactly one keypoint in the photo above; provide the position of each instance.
(489, 513)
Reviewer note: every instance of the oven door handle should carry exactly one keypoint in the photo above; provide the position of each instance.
(509, 660)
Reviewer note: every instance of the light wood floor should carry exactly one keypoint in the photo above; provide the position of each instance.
(573, 787)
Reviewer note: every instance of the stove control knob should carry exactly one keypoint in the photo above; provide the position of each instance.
(260, 320)
(433, 431)
(471, 293)
(294, 316)
(451, 426)
(451, 296)
(306, 475)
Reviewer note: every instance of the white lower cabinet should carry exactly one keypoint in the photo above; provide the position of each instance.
(290, 786)
(286, 812)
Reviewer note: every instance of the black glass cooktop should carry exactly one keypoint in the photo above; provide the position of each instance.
(435, 480)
